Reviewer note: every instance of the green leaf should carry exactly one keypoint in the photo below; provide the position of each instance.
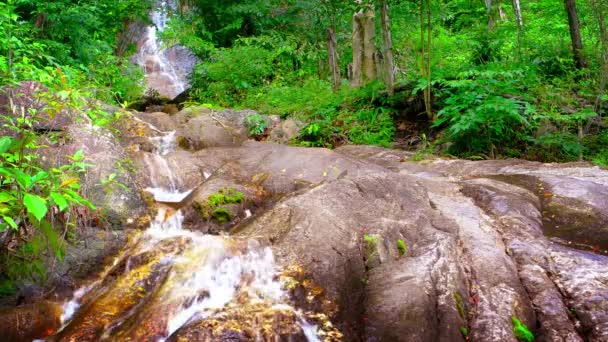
(5, 144)
(6, 197)
(10, 222)
(36, 205)
(59, 200)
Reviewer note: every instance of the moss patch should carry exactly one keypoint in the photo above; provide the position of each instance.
(211, 208)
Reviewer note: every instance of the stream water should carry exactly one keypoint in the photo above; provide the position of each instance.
(169, 279)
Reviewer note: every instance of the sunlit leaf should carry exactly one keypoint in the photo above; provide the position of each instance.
(36, 205)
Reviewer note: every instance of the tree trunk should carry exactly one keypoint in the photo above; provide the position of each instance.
(364, 47)
(490, 14)
(387, 44)
(334, 65)
(357, 42)
(501, 12)
(518, 18)
(575, 34)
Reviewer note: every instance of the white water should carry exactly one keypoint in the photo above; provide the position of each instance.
(211, 271)
(161, 72)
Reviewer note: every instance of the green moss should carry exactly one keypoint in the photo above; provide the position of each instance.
(521, 331)
(211, 208)
(371, 250)
(221, 215)
(225, 196)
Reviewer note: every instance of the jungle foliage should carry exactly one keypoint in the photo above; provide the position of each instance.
(496, 82)
(68, 47)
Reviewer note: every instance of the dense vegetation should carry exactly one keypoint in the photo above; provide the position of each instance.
(497, 81)
(70, 47)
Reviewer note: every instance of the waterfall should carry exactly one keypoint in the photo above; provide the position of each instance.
(163, 70)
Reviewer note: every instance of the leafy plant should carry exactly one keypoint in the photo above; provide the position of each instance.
(29, 193)
(481, 119)
(110, 184)
(522, 333)
(256, 124)
(464, 331)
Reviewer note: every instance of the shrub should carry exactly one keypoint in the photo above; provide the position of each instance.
(32, 197)
(256, 125)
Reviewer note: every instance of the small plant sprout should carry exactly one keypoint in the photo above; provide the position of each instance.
(522, 333)
(402, 247)
(464, 331)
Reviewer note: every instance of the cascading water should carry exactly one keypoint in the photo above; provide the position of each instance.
(164, 73)
(173, 284)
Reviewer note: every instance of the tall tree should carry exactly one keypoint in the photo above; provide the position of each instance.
(387, 45)
(575, 34)
(517, 11)
(364, 46)
(332, 54)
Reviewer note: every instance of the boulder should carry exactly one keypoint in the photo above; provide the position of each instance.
(285, 131)
(118, 200)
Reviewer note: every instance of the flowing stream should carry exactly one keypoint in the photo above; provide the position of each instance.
(168, 280)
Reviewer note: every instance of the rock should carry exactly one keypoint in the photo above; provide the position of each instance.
(117, 203)
(280, 169)
(29, 322)
(486, 242)
(285, 131)
(211, 130)
(159, 120)
(34, 96)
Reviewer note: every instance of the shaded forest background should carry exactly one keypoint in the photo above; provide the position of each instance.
(491, 79)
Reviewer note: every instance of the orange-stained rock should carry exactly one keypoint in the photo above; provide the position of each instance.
(28, 322)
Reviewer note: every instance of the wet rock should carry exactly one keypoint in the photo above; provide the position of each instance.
(244, 323)
(29, 322)
(160, 120)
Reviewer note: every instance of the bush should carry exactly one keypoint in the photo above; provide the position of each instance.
(31, 198)
(482, 118)
(256, 125)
